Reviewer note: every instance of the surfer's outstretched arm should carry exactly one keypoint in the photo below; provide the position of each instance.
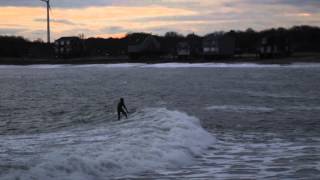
(124, 106)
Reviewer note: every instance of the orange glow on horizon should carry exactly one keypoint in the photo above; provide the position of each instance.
(92, 21)
(183, 16)
(116, 36)
(304, 14)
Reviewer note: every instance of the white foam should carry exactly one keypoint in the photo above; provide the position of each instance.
(46, 66)
(120, 65)
(179, 65)
(201, 65)
(38, 66)
(149, 140)
(305, 65)
(208, 65)
(240, 108)
(172, 65)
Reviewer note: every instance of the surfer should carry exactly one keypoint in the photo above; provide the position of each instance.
(122, 109)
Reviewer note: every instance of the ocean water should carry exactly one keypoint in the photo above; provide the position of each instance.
(186, 121)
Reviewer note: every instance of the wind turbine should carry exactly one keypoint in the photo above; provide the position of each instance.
(48, 19)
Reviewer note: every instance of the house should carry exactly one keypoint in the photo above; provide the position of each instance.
(68, 47)
(274, 46)
(147, 47)
(195, 43)
(183, 50)
(218, 46)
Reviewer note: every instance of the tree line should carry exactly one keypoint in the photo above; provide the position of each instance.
(302, 39)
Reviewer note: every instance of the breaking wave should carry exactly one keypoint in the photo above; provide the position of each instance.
(149, 140)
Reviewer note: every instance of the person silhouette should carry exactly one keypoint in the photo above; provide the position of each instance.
(122, 108)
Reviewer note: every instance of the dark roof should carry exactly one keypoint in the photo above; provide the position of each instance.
(149, 43)
(137, 38)
(275, 39)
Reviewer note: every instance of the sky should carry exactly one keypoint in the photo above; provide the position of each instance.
(115, 18)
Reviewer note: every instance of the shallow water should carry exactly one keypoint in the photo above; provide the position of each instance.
(192, 121)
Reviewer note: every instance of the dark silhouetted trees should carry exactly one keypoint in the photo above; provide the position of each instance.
(12, 46)
(302, 39)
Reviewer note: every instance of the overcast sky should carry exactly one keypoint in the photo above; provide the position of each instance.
(105, 18)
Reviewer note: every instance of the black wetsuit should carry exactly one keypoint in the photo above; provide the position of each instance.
(121, 110)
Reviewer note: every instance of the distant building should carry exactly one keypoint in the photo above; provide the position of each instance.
(183, 50)
(218, 46)
(195, 43)
(68, 47)
(274, 46)
(149, 47)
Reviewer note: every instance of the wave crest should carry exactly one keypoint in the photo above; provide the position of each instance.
(154, 138)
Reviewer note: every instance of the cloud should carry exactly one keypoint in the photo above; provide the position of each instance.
(288, 2)
(55, 3)
(19, 3)
(82, 3)
(310, 5)
(114, 30)
(115, 17)
(11, 31)
(306, 5)
(61, 21)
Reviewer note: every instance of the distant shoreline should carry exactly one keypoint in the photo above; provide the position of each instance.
(121, 60)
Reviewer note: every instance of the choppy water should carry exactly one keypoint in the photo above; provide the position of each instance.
(199, 121)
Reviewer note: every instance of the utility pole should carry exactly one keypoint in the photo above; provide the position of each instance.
(48, 19)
